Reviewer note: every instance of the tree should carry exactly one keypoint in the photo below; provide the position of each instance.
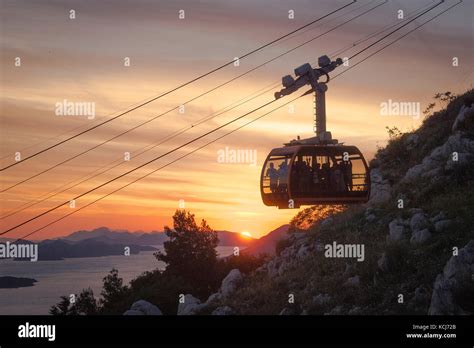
(61, 308)
(160, 289)
(446, 97)
(84, 304)
(393, 133)
(113, 292)
(190, 253)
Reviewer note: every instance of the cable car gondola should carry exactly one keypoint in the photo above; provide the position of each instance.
(318, 170)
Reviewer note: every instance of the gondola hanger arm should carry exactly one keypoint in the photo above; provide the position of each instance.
(306, 75)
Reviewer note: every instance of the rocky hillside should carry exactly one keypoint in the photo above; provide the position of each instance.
(414, 239)
(410, 250)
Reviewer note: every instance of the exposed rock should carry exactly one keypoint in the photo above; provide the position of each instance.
(456, 278)
(370, 218)
(464, 160)
(396, 230)
(440, 159)
(419, 222)
(414, 211)
(379, 187)
(285, 266)
(420, 237)
(442, 225)
(438, 217)
(412, 141)
(318, 247)
(383, 263)
(272, 268)
(355, 311)
(303, 251)
(298, 235)
(132, 312)
(191, 305)
(335, 311)
(142, 307)
(369, 215)
(288, 311)
(231, 282)
(214, 297)
(225, 310)
(353, 281)
(461, 118)
(413, 173)
(299, 242)
(321, 299)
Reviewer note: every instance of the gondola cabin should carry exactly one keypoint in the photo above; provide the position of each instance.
(317, 170)
(297, 175)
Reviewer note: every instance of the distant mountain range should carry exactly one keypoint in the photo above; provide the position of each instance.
(108, 236)
(103, 241)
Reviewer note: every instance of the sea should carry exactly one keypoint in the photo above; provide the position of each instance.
(70, 276)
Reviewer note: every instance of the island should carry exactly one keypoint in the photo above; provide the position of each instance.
(8, 282)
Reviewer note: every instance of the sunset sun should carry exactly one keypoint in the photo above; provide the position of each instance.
(246, 234)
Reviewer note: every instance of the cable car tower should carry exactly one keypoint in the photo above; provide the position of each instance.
(316, 170)
(307, 75)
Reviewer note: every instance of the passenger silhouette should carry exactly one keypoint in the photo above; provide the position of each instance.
(347, 170)
(317, 173)
(305, 177)
(283, 177)
(326, 175)
(337, 178)
(272, 173)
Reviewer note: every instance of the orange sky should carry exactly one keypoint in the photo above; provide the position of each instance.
(82, 60)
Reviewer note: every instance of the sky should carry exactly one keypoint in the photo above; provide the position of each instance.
(83, 59)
